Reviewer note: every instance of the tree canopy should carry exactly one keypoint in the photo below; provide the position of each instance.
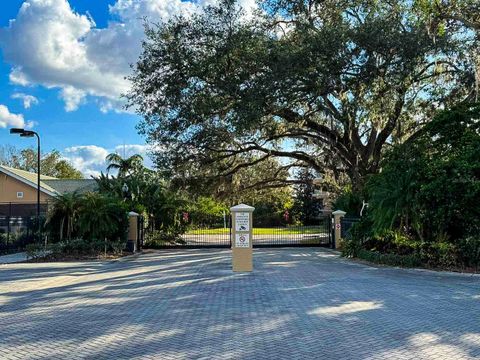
(319, 84)
(124, 166)
(51, 164)
(430, 185)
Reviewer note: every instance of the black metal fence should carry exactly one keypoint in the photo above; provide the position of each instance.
(141, 232)
(18, 225)
(346, 225)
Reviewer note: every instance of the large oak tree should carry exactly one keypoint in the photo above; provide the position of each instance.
(324, 84)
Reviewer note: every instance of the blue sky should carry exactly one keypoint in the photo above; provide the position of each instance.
(61, 129)
(63, 68)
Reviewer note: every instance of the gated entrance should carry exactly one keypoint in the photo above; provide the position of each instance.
(268, 231)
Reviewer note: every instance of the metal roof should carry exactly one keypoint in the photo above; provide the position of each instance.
(48, 184)
(63, 186)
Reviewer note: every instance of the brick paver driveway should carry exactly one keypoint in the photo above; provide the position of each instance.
(179, 304)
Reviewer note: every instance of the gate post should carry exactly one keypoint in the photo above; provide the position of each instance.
(337, 223)
(132, 239)
(242, 237)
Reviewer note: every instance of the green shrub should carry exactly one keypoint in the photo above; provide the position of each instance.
(430, 185)
(393, 247)
(444, 255)
(351, 247)
(389, 259)
(36, 251)
(349, 202)
(392, 242)
(469, 252)
(362, 230)
(118, 246)
(162, 237)
(359, 234)
(80, 247)
(73, 248)
(90, 216)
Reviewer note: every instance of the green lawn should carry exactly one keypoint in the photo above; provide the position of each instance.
(263, 231)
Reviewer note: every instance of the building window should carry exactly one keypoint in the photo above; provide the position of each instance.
(19, 194)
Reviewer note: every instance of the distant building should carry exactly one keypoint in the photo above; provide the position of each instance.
(20, 187)
(18, 199)
(324, 197)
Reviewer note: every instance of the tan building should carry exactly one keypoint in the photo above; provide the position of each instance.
(19, 186)
(18, 199)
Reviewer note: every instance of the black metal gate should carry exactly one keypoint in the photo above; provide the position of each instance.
(198, 231)
(203, 231)
(269, 231)
(208, 231)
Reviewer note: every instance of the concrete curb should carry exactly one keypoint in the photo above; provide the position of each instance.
(13, 258)
(442, 272)
(411, 270)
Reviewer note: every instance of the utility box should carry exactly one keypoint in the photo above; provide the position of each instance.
(242, 237)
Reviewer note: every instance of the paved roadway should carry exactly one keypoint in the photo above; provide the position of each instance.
(187, 304)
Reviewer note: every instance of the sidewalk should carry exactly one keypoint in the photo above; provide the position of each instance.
(13, 258)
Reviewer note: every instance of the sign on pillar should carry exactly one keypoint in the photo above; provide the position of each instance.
(242, 237)
(337, 216)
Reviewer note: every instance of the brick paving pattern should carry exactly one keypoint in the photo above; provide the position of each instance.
(186, 304)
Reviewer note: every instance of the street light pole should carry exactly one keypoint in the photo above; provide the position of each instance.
(38, 185)
(29, 133)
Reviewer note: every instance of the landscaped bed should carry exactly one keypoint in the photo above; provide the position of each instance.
(75, 250)
(75, 258)
(406, 261)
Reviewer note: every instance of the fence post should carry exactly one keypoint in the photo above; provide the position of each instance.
(132, 239)
(242, 237)
(337, 216)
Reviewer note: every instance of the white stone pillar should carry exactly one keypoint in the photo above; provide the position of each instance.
(337, 223)
(132, 239)
(242, 237)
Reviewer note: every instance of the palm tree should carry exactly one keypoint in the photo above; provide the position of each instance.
(65, 210)
(98, 216)
(124, 166)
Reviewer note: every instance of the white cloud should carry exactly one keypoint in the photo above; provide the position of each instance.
(8, 119)
(129, 150)
(51, 45)
(72, 98)
(46, 43)
(16, 76)
(28, 100)
(90, 159)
